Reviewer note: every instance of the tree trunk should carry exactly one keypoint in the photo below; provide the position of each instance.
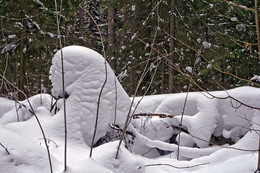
(172, 47)
(81, 23)
(123, 32)
(257, 27)
(258, 40)
(258, 163)
(21, 60)
(111, 37)
(162, 75)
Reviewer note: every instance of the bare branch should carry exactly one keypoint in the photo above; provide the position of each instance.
(105, 81)
(195, 83)
(177, 167)
(240, 6)
(145, 71)
(63, 84)
(4, 148)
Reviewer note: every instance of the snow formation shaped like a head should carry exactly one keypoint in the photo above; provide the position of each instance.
(84, 75)
(77, 61)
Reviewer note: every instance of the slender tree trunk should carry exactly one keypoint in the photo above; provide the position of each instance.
(21, 71)
(66, 35)
(162, 65)
(258, 164)
(123, 32)
(111, 37)
(21, 60)
(257, 27)
(258, 40)
(81, 23)
(172, 46)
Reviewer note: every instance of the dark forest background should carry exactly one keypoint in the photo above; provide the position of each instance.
(204, 44)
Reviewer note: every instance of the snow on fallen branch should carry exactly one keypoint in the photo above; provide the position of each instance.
(177, 167)
(152, 115)
(184, 151)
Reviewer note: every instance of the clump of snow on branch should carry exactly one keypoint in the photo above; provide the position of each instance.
(206, 45)
(256, 79)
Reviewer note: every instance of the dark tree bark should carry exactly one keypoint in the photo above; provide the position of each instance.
(162, 75)
(172, 47)
(81, 24)
(258, 30)
(111, 37)
(21, 60)
(123, 32)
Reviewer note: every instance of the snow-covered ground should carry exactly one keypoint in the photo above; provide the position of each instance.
(219, 117)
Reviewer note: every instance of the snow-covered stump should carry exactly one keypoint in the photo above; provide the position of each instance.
(84, 77)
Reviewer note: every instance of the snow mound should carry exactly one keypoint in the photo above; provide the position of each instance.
(9, 105)
(85, 74)
(150, 144)
(205, 115)
(23, 109)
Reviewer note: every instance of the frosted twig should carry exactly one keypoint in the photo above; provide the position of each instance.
(195, 83)
(145, 71)
(28, 17)
(240, 6)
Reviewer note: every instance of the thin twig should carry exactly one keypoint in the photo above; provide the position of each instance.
(63, 85)
(177, 167)
(184, 106)
(97, 114)
(27, 17)
(4, 148)
(195, 83)
(115, 100)
(16, 110)
(240, 6)
(145, 71)
(105, 81)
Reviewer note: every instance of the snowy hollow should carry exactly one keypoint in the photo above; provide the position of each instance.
(150, 144)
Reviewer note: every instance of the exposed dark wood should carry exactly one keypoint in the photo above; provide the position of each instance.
(154, 115)
(21, 58)
(111, 37)
(172, 47)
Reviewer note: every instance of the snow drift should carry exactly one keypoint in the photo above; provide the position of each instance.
(85, 74)
(151, 141)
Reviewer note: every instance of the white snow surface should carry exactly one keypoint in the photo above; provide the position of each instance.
(7, 106)
(84, 77)
(151, 141)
